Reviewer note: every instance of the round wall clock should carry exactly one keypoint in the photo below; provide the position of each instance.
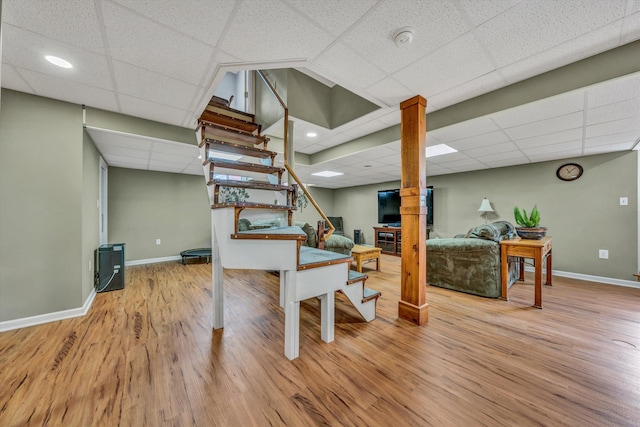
(569, 172)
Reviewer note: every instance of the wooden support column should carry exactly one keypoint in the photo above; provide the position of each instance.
(413, 299)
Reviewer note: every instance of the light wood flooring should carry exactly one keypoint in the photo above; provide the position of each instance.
(147, 356)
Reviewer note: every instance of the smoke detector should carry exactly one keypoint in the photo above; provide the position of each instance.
(403, 37)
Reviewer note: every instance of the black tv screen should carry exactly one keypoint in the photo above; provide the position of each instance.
(389, 206)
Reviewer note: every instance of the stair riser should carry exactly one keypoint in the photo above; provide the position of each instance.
(250, 254)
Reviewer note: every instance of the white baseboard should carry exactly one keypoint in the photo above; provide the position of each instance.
(590, 278)
(49, 317)
(152, 260)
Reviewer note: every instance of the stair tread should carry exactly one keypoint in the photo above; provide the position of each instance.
(274, 233)
(354, 277)
(230, 134)
(253, 184)
(231, 147)
(252, 205)
(312, 257)
(223, 104)
(211, 115)
(245, 166)
(368, 292)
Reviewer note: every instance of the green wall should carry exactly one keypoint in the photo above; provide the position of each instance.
(145, 206)
(41, 189)
(582, 216)
(324, 199)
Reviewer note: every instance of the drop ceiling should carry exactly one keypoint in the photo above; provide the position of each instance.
(163, 60)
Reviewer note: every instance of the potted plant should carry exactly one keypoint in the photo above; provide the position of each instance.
(529, 224)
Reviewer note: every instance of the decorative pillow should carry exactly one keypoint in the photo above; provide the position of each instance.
(312, 237)
(486, 232)
(506, 229)
(244, 224)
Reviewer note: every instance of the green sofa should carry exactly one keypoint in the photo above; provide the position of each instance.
(336, 243)
(471, 262)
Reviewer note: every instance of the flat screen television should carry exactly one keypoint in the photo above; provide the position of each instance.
(389, 207)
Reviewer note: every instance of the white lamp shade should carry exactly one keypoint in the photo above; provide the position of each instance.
(485, 206)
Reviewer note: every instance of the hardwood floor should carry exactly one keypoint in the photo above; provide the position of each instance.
(147, 356)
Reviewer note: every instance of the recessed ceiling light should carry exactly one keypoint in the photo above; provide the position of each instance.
(439, 150)
(58, 61)
(327, 174)
(224, 156)
(312, 134)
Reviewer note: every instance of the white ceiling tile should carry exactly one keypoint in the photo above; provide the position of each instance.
(176, 148)
(298, 38)
(150, 110)
(506, 162)
(492, 158)
(391, 118)
(389, 91)
(550, 139)
(11, 79)
(470, 89)
(452, 65)
(373, 35)
(119, 139)
(51, 19)
(546, 149)
(150, 86)
(565, 53)
(631, 27)
(155, 156)
(611, 128)
(464, 129)
(110, 150)
(110, 158)
(26, 50)
(613, 91)
(479, 141)
(612, 112)
(547, 108)
(515, 34)
(492, 150)
(339, 59)
(615, 139)
(600, 149)
(69, 91)
(335, 16)
(156, 48)
(543, 127)
(556, 155)
(480, 11)
(203, 21)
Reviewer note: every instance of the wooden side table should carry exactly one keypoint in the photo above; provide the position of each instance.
(362, 253)
(538, 250)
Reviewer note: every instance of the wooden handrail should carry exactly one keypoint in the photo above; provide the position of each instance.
(292, 174)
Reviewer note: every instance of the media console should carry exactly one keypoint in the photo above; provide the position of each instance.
(389, 239)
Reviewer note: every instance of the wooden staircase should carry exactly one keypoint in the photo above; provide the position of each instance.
(246, 189)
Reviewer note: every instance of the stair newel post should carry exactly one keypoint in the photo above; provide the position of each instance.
(413, 300)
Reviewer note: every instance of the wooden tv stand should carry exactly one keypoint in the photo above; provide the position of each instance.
(389, 239)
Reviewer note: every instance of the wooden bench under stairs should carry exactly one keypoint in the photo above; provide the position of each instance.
(304, 272)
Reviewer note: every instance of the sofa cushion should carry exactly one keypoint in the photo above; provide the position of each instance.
(244, 224)
(312, 237)
(339, 244)
(497, 231)
(264, 223)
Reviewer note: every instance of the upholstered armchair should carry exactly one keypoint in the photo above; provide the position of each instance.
(471, 262)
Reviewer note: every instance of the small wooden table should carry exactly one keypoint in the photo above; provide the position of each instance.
(524, 248)
(362, 253)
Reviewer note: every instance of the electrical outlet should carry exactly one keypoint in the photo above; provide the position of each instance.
(157, 241)
(624, 201)
(603, 254)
